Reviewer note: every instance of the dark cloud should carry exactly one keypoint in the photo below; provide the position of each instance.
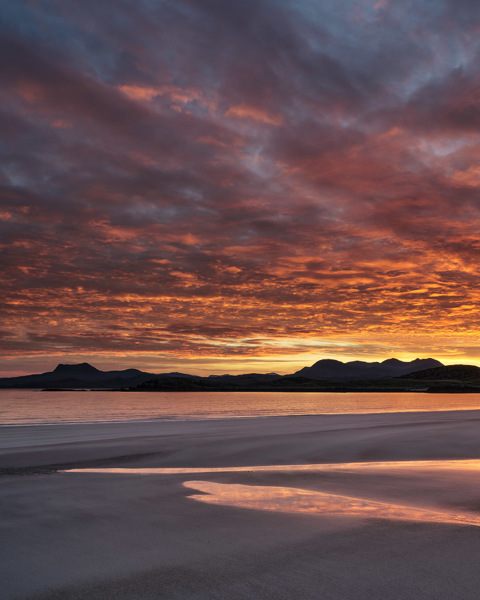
(238, 178)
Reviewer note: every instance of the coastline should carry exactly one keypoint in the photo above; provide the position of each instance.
(99, 535)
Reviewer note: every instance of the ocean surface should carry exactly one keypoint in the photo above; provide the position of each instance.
(19, 407)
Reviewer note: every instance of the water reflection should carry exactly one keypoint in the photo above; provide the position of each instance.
(391, 466)
(295, 500)
(447, 479)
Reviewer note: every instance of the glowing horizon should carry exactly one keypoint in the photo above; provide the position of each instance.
(238, 187)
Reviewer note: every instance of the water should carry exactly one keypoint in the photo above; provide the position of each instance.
(19, 407)
(449, 480)
(470, 467)
(294, 500)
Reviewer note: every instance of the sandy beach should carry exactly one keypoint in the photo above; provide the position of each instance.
(101, 535)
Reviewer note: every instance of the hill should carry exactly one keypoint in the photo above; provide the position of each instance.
(323, 376)
(334, 370)
(448, 379)
(83, 375)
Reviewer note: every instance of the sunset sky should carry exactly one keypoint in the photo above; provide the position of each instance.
(215, 186)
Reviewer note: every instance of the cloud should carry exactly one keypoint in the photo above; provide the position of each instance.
(205, 174)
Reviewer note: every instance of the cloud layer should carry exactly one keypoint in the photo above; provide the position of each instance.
(239, 179)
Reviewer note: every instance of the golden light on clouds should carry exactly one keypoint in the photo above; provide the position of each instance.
(225, 191)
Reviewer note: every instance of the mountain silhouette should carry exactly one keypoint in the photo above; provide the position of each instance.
(335, 370)
(84, 375)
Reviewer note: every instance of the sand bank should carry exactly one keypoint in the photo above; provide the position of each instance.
(100, 535)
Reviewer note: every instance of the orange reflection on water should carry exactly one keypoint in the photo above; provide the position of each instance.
(391, 466)
(294, 500)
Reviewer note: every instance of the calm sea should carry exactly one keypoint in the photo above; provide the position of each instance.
(35, 407)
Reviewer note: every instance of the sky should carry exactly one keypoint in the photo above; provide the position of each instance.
(238, 185)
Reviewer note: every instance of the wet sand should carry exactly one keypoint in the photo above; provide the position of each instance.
(99, 535)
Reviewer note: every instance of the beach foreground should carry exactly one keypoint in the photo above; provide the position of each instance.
(101, 535)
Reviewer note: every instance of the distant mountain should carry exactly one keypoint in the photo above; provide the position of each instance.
(86, 372)
(83, 375)
(335, 370)
(323, 375)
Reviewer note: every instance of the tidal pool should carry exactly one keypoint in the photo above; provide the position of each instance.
(294, 500)
(447, 474)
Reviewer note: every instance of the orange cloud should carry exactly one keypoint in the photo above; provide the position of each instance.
(469, 177)
(242, 111)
